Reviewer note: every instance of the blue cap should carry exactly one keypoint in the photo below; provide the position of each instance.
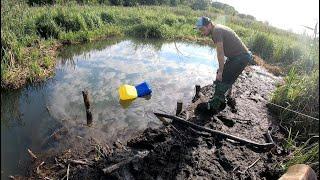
(202, 21)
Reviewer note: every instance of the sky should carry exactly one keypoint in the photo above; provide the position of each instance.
(284, 14)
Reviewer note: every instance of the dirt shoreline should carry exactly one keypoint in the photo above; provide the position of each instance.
(178, 152)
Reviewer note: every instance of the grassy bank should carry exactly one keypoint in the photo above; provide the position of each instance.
(30, 35)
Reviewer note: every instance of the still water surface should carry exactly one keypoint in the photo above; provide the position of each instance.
(31, 114)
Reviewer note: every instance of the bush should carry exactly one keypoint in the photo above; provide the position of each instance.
(46, 27)
(173, 2)
(116, 2)
(41, 2)
(170, 20)
(200, 5)
(149, 30)
(70, 22)
(148, 2)
(107, 17)
(92, 21)
(262, 44)
(130, 2)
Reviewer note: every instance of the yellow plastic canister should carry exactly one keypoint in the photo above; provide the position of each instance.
(127, 92)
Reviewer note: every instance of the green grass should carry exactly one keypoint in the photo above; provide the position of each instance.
(300, 93)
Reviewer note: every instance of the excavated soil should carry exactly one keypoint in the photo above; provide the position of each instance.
(175, 151)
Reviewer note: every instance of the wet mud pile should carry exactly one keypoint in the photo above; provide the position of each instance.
(178, 151)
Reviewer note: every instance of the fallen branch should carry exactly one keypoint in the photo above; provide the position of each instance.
(267, 146)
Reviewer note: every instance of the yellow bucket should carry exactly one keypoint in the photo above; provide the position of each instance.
(127, 92)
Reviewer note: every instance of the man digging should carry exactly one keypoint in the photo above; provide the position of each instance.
(238, 56)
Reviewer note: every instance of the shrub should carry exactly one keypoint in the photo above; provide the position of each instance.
(170, 20)
(46, 27)
(262, 44)
(116, 2)
(149, 2)
(200, 5)
(41, 2)
(149, 30)
(173, 2)
(130, 2)
(70, 22)
(92, 21)
(107, 17)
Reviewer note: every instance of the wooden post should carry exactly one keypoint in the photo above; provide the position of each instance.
(87, 105)
(198, 87)
(197, 94)
(179, 107)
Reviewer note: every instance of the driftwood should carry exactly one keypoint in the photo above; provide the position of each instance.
(267, 146)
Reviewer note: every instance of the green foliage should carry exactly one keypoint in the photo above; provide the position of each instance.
(299, 93)
(305, 154)
(225, 7)
(200, 5)
(148, 2)
(46, 26)
(30, 27)
(246, 16)
(149, 30)
(92, 21)
(263, 45)
(116, 2)
(107, 17)
(70, 22)
(41, 2)
(130, 2)
(163, 2)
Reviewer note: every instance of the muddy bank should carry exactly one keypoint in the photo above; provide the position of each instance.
(175, 151)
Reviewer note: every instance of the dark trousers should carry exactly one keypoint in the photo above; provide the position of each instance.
(233, 67)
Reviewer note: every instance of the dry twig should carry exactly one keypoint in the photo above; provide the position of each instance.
(31, 154)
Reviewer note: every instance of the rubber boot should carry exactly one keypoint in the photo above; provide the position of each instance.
(218, 101)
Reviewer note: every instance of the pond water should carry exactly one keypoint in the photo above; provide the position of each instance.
(31, 114)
